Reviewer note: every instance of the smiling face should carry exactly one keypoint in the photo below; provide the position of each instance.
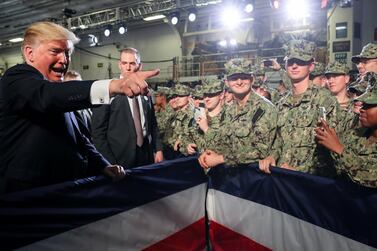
(240, 84)
(51, 58)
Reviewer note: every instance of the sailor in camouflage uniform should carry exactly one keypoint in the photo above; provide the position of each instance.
(355, 154)
(337, 80)
(367, 60)
(317, 76)
(248, 129)
(298, 114)
(183, 115)
(213, 93)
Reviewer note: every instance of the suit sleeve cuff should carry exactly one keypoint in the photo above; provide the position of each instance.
(99, 92)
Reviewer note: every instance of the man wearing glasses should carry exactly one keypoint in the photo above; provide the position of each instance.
(299, 112)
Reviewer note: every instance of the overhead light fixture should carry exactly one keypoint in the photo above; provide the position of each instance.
(107, 32)
(297, 8)
(233, 42)
(230, 17)
(155, 17)
(122, 30)
(83, 26)
(223, 43)
(174, 19)
(16, 40)
(275, 4)
(249, 7)
(192, 16)
(93, 40)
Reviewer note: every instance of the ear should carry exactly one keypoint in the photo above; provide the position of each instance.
(347, 78)
(120, 65)
(28, 52)
(311, 67)
(140, 67)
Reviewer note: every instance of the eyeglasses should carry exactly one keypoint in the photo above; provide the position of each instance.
(241, 76)
(298, 62)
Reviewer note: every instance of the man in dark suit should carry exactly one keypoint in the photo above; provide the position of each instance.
(40, 140)
(126, 132)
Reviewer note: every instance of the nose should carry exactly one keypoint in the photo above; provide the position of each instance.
(63, 57)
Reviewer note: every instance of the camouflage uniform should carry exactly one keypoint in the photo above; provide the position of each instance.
(359, 158)
(298, 117)
(369, 51)
(338, 68)
(245, 133)
(319, 69)
(182, 118)
(193, 133)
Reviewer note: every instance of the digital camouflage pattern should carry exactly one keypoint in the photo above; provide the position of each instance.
(164, 121)
(194, 134)
(245, 134)
(258, 70)
(370, 95)
(182, 90)
(337, 68)
(359, 158)
(368, 51)
(238, 65)
(198, 92)
(300, 49)
(162, 90)
(183, 119)
(212, 86)
(295, 141)
(319, 69)
(363, 82)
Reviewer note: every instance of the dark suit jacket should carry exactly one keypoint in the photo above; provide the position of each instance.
(113, 131)
(40, 141)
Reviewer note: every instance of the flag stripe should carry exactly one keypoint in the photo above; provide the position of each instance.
(336, 205)
(134, 229)
(190, 238)
(272, 228)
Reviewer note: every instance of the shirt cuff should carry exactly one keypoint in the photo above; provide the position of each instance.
(99, 92)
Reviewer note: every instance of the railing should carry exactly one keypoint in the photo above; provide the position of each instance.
(199, 66)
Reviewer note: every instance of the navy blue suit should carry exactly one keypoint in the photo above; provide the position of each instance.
(40, 139)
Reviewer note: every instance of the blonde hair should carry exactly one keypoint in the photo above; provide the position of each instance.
(45, 31)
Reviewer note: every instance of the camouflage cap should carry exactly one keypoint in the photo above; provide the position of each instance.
(162, 90)
(337, 68)
(258, 83)
(198, 91)
(319, 69)
(182, 90)
(369, 97)
(300, 49)
(362, 84)
(368, 51)
(238, 65)
(258, 71)
(211, 86)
